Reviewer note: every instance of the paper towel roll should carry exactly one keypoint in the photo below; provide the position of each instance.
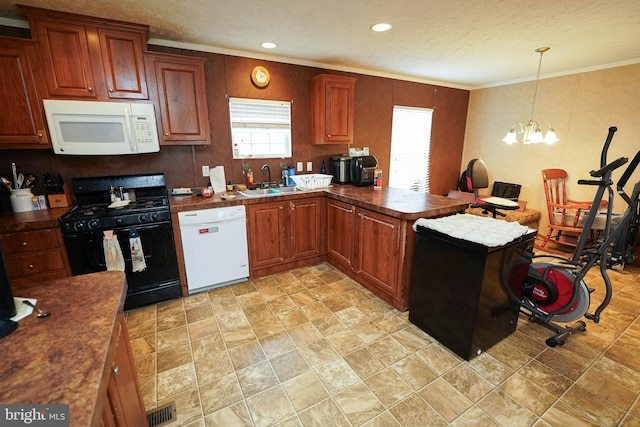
(218, 181)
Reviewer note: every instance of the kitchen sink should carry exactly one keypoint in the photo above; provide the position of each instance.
(262, 192)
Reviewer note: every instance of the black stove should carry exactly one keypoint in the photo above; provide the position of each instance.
(94, 209)
(146, 214)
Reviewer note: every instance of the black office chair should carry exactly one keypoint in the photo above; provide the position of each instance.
(476, 177)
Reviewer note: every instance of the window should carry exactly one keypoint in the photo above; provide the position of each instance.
(259, 128)
(410, 140)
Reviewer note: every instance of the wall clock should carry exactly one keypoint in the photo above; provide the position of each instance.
(260, 76)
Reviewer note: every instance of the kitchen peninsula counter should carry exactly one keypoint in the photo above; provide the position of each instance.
(368, 233)
(66, 358)
(403, 204)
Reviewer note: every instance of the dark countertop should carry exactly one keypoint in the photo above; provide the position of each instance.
(62, 359)
(11, 222)
(404, 204)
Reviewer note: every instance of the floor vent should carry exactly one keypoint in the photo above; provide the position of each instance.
(161, 416)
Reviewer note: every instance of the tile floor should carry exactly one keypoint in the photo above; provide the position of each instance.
(311, 347)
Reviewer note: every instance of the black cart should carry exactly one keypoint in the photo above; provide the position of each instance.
(456, 292)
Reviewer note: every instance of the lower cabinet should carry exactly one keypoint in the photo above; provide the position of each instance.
(285, 234)
(35, 256)
(124, 405)
(369, 247)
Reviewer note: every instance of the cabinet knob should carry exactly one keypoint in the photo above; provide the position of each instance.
(40, 134)
(281, 207)
(30, 266)
(111, 89)
(23, 244)
(90, 89)
(166, 134)
(328, 136)
(292, 205)
(115, 370)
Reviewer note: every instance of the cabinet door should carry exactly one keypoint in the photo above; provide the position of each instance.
(123, 63)
(377, 257)
(266, 223)
(181, 96)
(22, 123)
(333, 104)
(306, 227)
(66, 59)
(341, 232)
(123, 393)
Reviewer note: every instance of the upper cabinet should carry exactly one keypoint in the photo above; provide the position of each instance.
(332, 104)
(178, 87)
(22, 120)
(90, 58)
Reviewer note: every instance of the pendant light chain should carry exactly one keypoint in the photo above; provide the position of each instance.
(542, 50)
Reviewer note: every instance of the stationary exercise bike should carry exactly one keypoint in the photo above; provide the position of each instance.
(554, 291)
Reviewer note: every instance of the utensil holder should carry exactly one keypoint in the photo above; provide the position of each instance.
(21, 200)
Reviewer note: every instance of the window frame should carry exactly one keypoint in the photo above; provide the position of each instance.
(244, 116)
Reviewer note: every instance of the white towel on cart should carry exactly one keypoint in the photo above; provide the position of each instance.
(486, 231)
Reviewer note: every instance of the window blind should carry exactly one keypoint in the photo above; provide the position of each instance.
(410, 141)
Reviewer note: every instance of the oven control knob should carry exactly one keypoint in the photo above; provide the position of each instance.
(142, 217)
(154, 216)
(93, 224)
(80, 225)
(118, 221)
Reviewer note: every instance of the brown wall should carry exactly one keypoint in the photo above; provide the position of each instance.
(230, 75)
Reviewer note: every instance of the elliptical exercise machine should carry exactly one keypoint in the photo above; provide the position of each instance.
(554, 291)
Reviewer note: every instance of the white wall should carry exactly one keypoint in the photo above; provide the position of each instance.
(581, 108)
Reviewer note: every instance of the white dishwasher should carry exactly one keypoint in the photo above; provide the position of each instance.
(214, 245)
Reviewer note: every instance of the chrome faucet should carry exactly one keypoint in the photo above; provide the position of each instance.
(262, 169)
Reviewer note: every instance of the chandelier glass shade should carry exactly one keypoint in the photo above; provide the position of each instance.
(532, 131)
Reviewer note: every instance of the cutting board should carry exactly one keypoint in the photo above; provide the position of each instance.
(218, 181)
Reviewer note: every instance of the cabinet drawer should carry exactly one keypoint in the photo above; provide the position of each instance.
(34, 263)
(28, 241)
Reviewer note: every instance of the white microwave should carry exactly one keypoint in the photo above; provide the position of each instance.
(101, 128)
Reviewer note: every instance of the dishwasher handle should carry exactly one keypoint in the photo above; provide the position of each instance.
(192, 223)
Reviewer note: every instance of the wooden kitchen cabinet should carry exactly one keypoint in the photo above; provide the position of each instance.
(284, 234)
(332, 105)
(341, 226)
(306, 227)
(179, 91)
(124, 405)
(267, 230)
(90, 58)
(35, 256)
(22, 124)
(368, 246)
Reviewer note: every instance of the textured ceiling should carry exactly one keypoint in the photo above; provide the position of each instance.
(460, 43)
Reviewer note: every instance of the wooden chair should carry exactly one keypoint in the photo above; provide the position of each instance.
(565, 215)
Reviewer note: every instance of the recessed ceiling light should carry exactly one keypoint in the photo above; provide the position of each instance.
(268, 45)
(383, 26)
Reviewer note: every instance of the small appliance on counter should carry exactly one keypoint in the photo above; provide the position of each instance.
(341, 169)
(363, 170)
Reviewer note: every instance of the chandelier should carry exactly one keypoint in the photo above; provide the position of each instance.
(531, 132)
